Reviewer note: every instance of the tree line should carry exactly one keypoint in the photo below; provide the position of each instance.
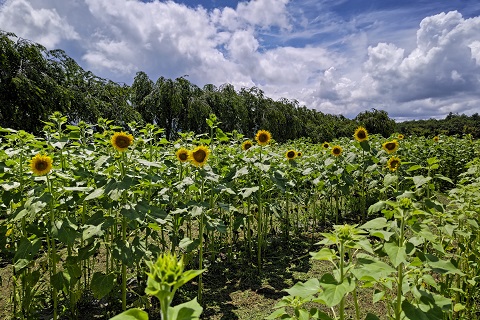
(35, 82)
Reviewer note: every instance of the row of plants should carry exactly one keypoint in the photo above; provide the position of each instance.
(84, 208)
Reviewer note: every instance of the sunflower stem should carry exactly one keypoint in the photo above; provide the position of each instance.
(260, 219)
(53, 253)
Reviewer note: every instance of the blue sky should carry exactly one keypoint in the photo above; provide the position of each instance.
(414, 59)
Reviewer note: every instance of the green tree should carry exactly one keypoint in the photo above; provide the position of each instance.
(376, 121)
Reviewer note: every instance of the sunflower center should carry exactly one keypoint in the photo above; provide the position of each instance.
(394, 163)
(183, 156)
(390, 146)
(291, 154)
(263, 138)
(247, 146)
(199, 155)
(336, 151)
(41, 165)
(361, 134)
(122, 142)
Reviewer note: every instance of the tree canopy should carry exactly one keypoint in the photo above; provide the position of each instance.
(35, 82)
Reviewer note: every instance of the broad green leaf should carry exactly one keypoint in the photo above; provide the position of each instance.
(188, 244)
(66, 232)
(149, 163)
(246, 192)
(420, 180)
(80, 189)
(389, 180)
(371, 316)
(30, 208)
(369, 268)
(92, 231)
(26, 251)
(442, 266)
(396, 254)
(95, 194)
(325, 254)
(10, 185)
(279, 313)
(101, 284)
(190, 310)
(377, 223)
(100, 161)
(132, 314)
(458, 307)
(412, 312)
(414, 167)
(378, 295)
(374, 208)
(333, 293)
(123, 251)
(304, 289)
(187, 276)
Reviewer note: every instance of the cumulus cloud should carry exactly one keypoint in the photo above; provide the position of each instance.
(45, 26)
(442, 65)
(290, 50)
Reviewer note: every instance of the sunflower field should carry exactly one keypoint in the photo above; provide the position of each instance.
(102, 221)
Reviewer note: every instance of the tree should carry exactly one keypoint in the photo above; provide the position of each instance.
(376, 121)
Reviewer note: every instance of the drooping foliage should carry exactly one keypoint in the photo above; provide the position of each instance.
(35, 82)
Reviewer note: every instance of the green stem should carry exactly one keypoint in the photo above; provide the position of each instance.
(200, 255)
(398, 307)
(124, 266)
(260, 219)
(342, 277)
(53, 251)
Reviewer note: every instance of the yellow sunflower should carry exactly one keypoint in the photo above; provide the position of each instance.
(299, 153)
(199, 156)
(436, 138)
(401, 136)
(337, 150)
(247, 145)
(121, 141)
(182, 154)
(326, 145)
(41, 164)
(393, 163)
(263, 137)
(290, 154)
(390, 146)
(361, 134)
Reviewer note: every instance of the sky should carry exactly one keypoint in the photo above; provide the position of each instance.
(415, 59)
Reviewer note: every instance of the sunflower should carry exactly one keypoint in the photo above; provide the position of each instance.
(336, 150)
(247, 145)
(436, 138)
(361, 134)
(182, 154)
(393, 163)
(263, 137)
(390, 146)
(299, 153)
(121, 141)
(199, 156)
(401, 136)
(290, 154)
(326, 145)
(41, 164)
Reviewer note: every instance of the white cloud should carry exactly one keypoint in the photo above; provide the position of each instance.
(297, 50)
(441, 66)
(44, 26)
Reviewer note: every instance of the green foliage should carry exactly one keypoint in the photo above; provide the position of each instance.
(165, 277)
